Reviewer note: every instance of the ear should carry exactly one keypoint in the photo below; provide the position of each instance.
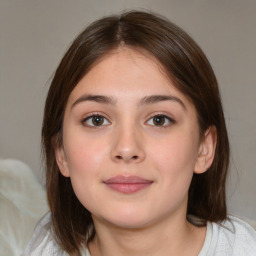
(206, 150)
(61, 160)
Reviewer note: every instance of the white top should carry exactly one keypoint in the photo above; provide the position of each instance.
(233, 237)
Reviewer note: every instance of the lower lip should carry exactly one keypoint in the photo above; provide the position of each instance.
(128, 188)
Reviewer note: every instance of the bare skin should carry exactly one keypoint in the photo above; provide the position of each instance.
(126, 121)
(158, 240)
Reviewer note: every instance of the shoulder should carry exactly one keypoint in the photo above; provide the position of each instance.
(233, 237)
(42, 241)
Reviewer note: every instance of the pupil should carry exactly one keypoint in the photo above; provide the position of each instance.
(159, 120)
(97, 120)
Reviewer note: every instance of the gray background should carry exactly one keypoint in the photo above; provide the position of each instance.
(35, 35)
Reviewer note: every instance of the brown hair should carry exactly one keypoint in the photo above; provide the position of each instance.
(185, 63)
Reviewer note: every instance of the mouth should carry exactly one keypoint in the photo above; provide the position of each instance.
(127, 184)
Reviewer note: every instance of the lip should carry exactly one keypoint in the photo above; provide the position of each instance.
(127, 184)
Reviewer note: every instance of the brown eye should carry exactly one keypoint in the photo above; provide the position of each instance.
(160, 120)
(95, 120)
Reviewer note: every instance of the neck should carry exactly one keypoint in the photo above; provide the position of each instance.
(172, 237)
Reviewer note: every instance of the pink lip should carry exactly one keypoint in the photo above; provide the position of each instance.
(127, 184)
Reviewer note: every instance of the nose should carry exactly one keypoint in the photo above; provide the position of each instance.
(128, 146)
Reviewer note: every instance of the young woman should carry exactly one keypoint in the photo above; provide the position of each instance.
(136, 147)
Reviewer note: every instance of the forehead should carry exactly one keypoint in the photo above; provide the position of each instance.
(126, 73)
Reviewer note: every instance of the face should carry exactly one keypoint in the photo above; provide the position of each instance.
(130, 142)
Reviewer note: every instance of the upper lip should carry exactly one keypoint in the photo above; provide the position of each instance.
(127, 180)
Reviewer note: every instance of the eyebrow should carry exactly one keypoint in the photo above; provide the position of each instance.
(159, 98)
(95, 98)
(153, 99)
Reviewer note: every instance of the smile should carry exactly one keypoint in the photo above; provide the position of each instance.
(127, 184)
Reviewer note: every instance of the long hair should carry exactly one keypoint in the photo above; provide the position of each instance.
(187, 66)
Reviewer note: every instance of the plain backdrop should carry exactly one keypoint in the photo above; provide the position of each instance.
(35, 34)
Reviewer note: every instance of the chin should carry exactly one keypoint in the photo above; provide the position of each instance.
(128, 220)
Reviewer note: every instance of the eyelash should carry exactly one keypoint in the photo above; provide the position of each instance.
(167, 119)
(85, 120)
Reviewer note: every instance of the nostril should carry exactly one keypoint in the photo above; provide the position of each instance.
(133, 157)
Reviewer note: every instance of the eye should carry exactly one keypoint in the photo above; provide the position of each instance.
(160, 120)
(95, 120)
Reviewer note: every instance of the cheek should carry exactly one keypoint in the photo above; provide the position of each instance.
(84, 153)
(175, 159)
(85, 160)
